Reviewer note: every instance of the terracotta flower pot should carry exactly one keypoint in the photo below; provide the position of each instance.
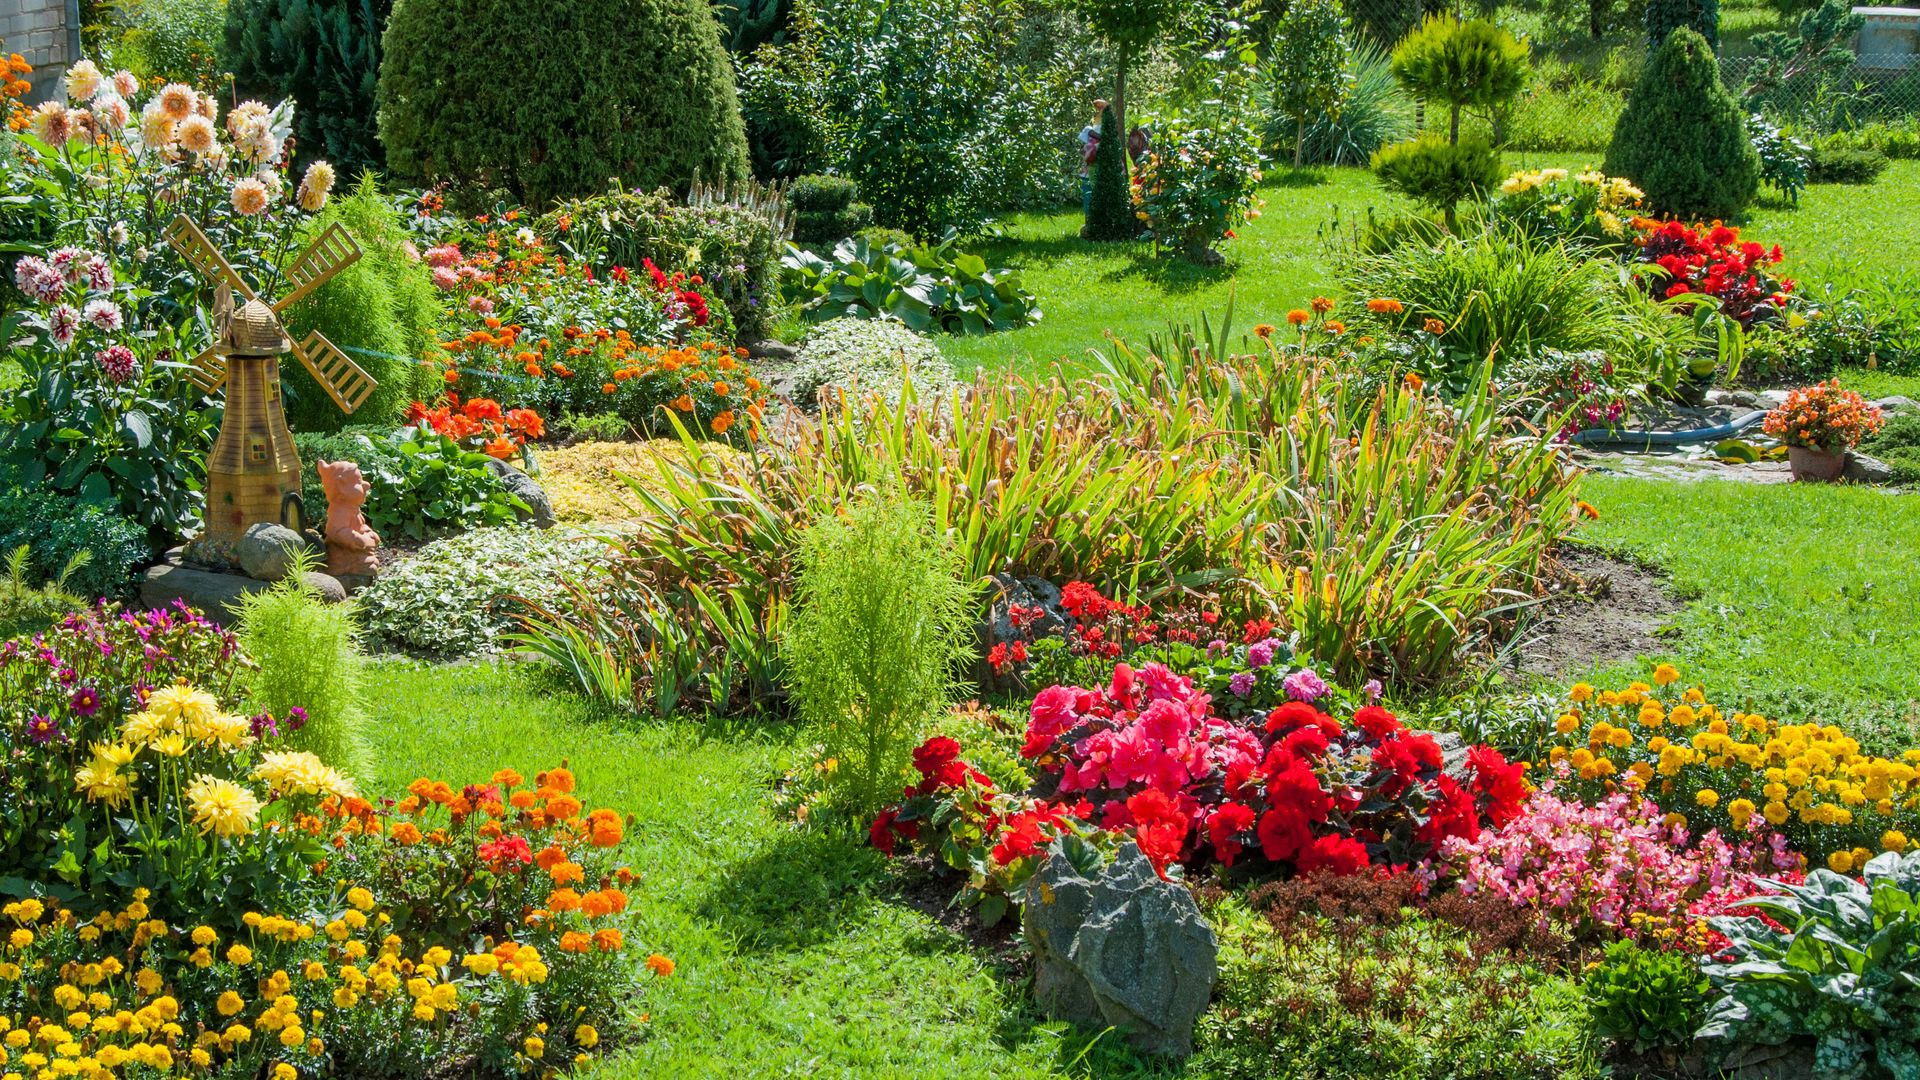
(1809, 464)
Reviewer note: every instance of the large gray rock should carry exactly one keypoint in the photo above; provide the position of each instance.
(1123, 949)
(329, 588)
(1863, 469)
(1009, 592)
(267, 551)
(528, 490)
(1895, 404)
(216, 594)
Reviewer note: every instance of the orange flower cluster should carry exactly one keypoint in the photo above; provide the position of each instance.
(1824, 416)
(500, 433)
(14, 85)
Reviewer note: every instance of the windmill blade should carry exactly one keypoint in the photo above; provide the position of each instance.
(331, 252)
(209, 371)
(193, 246)
(343, 380)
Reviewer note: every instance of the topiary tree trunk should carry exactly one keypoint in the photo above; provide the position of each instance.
(1110, 217)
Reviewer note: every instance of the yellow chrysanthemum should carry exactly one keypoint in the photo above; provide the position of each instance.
(222, 807)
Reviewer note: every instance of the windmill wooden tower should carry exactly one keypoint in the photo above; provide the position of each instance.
(253, 473)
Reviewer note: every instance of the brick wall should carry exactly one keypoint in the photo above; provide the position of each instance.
(46, 33)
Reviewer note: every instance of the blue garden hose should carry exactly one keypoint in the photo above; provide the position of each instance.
(1649, 439)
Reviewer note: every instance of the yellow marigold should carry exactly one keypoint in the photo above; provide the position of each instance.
(1666, 675)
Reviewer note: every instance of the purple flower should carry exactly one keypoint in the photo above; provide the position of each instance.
(85, 701)
(262, 726)
(296, 718)
(1304, 685)
(42, 729)
(1372, 689)
(1260, 653)
(1241, 683)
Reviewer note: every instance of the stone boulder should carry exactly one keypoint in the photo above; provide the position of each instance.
(1122, 949)
(216, 594)
(527, 490)
(267, 551)
(1009, 592)
(1865, 469)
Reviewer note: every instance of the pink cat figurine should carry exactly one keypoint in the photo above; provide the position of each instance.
(350, 540)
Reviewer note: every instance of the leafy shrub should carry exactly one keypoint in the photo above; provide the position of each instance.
(424, 483)
(460, 596)
(1785, 162)
(324, 55)
(881, 626)
(1589, 210)
(1648, 999)
(1200, 180)
(1896, 140)
(824, 211)
(366, 445)
(650, 100)
(175, 41)
(1376, 112)
(56, 528)
(926, 287)
(1831, 164)
(1829, 961)
(1410, 996)
(382, 311)
(1898, 444)
(1438, 173)
(1683, 139)
(733, 251)
(591, 427)
(308, 669)
(869, 356)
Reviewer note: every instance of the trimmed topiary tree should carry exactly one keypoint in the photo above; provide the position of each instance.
(1462, 65)
(1683, 138)
(1438, 173)
(1666, 16)
(640, 90)
(1110, 215)
(325, 55)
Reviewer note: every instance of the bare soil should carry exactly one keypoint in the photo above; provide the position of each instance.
(1607, 610)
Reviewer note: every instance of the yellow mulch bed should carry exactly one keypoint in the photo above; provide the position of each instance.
(581, 482)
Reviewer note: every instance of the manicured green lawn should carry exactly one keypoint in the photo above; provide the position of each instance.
(795, 956)
(1283, 259)
(1802, 596)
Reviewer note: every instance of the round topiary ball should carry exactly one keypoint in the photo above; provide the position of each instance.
(553, 98)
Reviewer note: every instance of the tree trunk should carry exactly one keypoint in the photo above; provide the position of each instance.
(1299, 139)
(1454, 131)
(1119, 102)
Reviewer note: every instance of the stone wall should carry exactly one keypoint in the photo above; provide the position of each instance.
(47, 34)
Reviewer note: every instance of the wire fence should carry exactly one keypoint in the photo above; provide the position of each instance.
(1588, 54)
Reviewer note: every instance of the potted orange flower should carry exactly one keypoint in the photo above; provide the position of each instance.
(1820, 424)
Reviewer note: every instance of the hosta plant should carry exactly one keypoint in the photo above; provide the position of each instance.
(925, 286)
(1834, 961)
(1645, 998)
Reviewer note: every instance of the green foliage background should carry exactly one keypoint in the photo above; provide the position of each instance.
(325, 55)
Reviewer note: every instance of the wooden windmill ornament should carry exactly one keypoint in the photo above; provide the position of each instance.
(253, 473)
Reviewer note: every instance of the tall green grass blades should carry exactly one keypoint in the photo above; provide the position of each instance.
(307, 659)
(881, 625)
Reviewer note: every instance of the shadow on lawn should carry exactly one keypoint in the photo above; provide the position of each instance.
(801, 889)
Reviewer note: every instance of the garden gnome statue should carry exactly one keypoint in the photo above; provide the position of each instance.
(350, 540)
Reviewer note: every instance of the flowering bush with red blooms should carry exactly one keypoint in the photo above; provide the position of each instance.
(1300, 790)
(1824, 417)
(994, 837)
(1240, 663)
(503, 859)
(479, 424)
(1712, 261)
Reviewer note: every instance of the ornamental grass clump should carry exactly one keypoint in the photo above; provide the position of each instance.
(881, 627)
(307, 660)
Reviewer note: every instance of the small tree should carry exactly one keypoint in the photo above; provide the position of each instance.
(1110, 216)
(1682, 138)
(1129, 26)
(1308, 67)
(1462, 65)
(1666, 16)
(640, 90)
(882, 624)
